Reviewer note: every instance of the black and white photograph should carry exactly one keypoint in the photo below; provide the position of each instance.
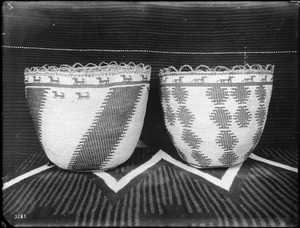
(150, 113)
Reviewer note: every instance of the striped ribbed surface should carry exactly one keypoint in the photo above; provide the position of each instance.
(261, 195)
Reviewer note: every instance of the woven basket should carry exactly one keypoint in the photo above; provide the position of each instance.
(215, 117)
(88, 117)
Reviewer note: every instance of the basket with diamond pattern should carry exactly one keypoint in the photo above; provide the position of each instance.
(88, 117)
(215, 117)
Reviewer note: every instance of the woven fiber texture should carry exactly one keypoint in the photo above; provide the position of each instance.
(215, 117)
(88, 117)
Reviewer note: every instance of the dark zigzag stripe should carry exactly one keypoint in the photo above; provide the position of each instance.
(216, 205)
(79, 195)
(189, 193)
(258, 177)
(60, 193)
(95, 206)
(108, 215)
(16, 193)
(123, 218)
(161, 186)
(116, 214)
(287, 156)
(257, 196)
(79, 209)
(130, 208)
(38, 194)
(157, 195)
(166, 180)
(110, 126)
(70, 198)
(36, 98)
(45, 188)
(254, 211)
(231, 215)
(279, 155)
(174, 187)
(245, 220)
(75, 179)
(25, 199)
(102, 210)
(212, 207)
(85, 215)
(101, 204)
(137, 205)
(7, 197)
(35, 162)
(56, 180)
(144, 198)
(57, 188)
(19, 198)
(263, 181)
(31, 161)
(51, 182)
(269, 203)
(280, 183)
(192, 183)
(265, 198)
(89, 205)
(183, 193)
(150, 195)
(291, 183)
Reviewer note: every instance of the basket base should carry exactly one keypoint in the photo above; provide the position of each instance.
(88, 170)
(210, 167)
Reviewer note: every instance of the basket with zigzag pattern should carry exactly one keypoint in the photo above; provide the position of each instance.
(88, 117)
(215, 117)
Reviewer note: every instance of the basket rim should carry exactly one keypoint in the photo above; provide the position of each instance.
(218, 69)
(78, 67)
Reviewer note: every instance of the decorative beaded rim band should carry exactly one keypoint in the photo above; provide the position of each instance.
(238, 69)
(90, 67)
(203, 74)
(104, 74)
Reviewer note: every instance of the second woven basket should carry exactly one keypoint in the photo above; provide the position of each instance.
(215, 117)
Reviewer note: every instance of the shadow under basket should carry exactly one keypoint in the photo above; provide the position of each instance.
(215, 117)
(88, 117)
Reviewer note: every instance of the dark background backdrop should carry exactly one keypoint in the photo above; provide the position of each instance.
(171, 33)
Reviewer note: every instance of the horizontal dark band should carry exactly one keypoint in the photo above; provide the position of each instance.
(217, 84)
(86, 85)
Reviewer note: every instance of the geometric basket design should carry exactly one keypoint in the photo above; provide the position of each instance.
(84, 115)
(109, 127)
(215, 116)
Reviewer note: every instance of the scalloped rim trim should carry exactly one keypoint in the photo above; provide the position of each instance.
(218, 69)
(78, 67)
